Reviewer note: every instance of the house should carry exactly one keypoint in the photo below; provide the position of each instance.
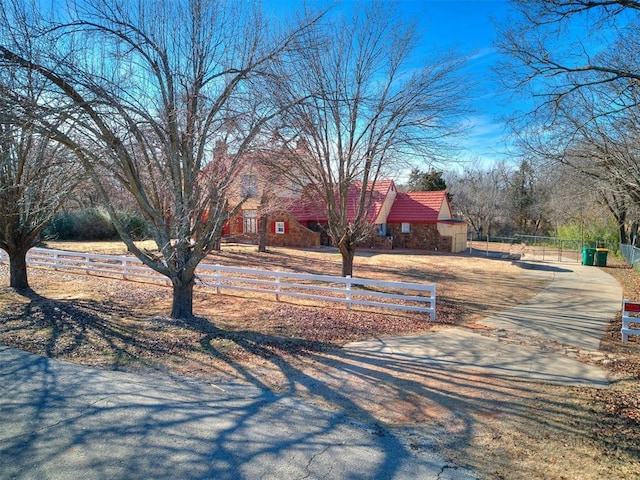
(283, 230)
(423, 220)
(383, 195)
(420, 220)
(260, 193)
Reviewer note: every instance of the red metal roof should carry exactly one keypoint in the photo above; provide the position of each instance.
(413, 207)
(308, 211)
(380, 191)
(417, 207)
(305, 211)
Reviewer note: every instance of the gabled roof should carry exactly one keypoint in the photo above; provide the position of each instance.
(380, 191)
(304, 211)
(417, 207)
(307, 211)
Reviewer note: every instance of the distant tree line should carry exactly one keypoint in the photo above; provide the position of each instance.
(503, 200)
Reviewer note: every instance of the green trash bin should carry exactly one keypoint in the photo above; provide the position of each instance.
(588, 255)
(601, 257)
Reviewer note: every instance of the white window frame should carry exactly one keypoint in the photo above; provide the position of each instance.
(249, 221)
(405, 227)
(280, 228)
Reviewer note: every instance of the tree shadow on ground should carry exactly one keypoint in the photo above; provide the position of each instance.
(542, 267)
(155, 431)
(449, 405)
(78, 328)
(448, 401)
(78, 423)
(188, 429)
(281, 260)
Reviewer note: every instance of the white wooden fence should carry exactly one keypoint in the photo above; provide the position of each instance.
(324, 288)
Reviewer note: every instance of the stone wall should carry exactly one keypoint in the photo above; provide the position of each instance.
(376, 241)
(423, 236)
(295, 235)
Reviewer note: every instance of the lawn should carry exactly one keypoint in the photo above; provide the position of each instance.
(493, 426)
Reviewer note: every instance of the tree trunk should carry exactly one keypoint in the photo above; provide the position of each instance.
(262, 242)
(633, 233)
(348, 252)
(182, 306)
(622, 227)
(622, 233)
(18, 269)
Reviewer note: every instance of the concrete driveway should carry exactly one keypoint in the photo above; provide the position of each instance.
(65, 421)
(458, 350)
(573, 310)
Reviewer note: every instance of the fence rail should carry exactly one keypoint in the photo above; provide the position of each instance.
(349, 291)
(541, 241)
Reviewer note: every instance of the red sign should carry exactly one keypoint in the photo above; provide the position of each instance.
(631, 307)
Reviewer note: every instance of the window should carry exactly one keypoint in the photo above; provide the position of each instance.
(249, 186)
(406, 227)
(280, 227)
(382, 230)
(250, 221)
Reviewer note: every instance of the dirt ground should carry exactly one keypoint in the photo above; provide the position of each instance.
(500, 428)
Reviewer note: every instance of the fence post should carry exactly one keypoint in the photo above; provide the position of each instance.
(53, 259)
(432, 304)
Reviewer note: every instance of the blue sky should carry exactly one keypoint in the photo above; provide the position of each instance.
(468, 28)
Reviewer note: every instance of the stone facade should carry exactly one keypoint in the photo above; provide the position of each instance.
(295, 235)
(376, 241)
(422, 236)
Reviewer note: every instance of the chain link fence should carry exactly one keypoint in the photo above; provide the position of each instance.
(631, 255)
(541, 248)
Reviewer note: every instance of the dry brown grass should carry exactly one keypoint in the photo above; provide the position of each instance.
(502, 428)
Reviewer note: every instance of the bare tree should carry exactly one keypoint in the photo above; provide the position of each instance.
(527, 194)
(372, 104)
(36, 175)
(580, 61)
(600, 145)
(479, 197)
(559, 47)
(270, 202)
(151, 89)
